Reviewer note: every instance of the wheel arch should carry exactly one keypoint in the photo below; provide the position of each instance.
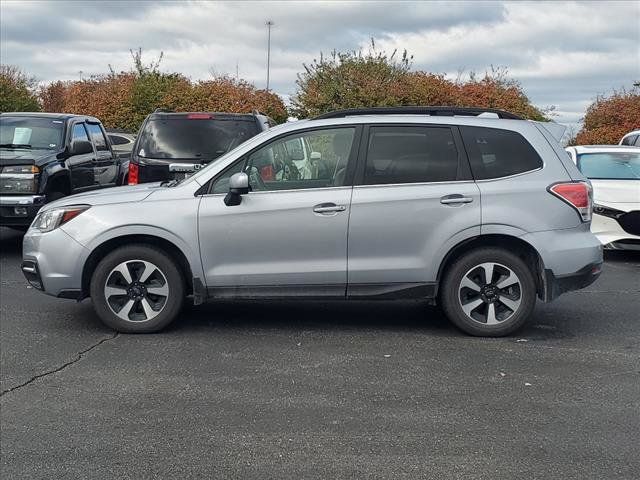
(513, 244)
(109, 245)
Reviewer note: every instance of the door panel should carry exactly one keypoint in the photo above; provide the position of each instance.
(415, 201)
(275, 239)
(397, 232)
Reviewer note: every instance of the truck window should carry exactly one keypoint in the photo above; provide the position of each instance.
(98, 137)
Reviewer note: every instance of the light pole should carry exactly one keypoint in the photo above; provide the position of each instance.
(269, 25)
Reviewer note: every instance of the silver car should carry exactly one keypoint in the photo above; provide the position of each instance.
(478, 211)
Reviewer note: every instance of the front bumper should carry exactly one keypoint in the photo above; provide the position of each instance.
(19, 210)
(52, 262)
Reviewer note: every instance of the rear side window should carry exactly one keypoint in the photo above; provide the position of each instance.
(97, 136)
(410, 155)
(630, 140)
(118, 140)
(496, 153)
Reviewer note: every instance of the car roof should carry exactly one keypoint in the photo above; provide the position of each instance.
(55, 116)
(213, 114)
(632, 132)
(604, 148)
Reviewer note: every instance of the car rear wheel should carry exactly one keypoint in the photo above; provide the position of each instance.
(137, 289)
(488, 292)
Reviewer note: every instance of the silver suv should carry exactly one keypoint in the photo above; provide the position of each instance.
(480, 212)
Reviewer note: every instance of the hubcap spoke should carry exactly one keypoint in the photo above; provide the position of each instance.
(123, 268)
(148, 311)
(488, 272)
(468, 283)
(110, 291)
(149, 268)
(491, 314)
(472, 305)
(507, 282)
(511, 304)
(126, 309)
(162, 291)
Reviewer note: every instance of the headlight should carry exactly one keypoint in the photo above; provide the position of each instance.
(19, 179)
(54, 217)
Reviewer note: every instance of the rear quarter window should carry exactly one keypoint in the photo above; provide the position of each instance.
(496, 153)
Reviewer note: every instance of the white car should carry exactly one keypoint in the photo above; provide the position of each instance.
(614, 172)
(631, 138)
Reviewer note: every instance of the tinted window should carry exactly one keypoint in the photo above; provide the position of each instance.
(97, 136)
(410, 155)
(496, 153)
(630, 140)
(79, 133)
(118, 140)
(315, 159)
(610, 166)
(30, 132)
(197, 138)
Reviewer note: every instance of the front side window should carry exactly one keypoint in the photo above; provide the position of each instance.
(315, 159)
(98, 137)
(79, 133)
(610, 166)
(401, 154)
(495, 153)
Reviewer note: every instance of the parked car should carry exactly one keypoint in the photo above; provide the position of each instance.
(173, 145)
(47, 156)
(614, 172)
(631, 139)
(121, 141)
(480, 215)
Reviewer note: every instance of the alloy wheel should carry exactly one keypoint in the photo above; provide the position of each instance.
(490, 293)
(136, 290)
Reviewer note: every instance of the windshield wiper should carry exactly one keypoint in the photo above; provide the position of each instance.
(15, 145)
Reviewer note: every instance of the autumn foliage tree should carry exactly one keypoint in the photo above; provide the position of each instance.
(376, 79)
(124, 99)
(17, 90)
(608, 118)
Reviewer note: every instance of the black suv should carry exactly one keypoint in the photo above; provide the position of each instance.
(172, 145)
(46, 156)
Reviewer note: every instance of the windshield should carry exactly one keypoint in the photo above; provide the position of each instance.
(185, 138)
(610, 166)
(31, 132)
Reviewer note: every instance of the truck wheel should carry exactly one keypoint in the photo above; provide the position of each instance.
(488, 292)
(137, 289)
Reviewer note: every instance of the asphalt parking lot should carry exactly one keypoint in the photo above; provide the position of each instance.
(321, 390)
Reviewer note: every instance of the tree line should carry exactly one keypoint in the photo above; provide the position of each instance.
(340, 80)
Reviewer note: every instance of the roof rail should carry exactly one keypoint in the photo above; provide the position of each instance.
(433, 111)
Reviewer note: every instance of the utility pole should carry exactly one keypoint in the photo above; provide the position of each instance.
(269, 25)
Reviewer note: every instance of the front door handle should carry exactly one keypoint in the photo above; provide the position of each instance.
(455, 199)
(329, 208)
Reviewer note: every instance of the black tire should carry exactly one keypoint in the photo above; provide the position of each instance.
(452, 293)
(170, 272)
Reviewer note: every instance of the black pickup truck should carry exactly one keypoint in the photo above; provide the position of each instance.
(46, 156)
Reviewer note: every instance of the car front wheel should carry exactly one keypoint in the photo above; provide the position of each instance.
(488, 292)
(137, 289)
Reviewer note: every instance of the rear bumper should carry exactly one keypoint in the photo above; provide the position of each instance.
(556, 285)
(19, 210)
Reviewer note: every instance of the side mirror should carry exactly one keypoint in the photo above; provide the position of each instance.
(80, 147)
(238, 186)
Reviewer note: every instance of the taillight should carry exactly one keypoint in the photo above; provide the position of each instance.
(199, 116)
(133, 173)
(576, 194)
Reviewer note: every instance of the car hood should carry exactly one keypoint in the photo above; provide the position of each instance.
(616, 191)
(108, 196)
(19, 156)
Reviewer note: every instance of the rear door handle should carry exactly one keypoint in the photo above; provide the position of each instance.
(455, 199)
(329, 208)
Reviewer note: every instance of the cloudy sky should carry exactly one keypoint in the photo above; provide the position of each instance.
(564, 53)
